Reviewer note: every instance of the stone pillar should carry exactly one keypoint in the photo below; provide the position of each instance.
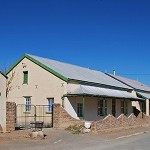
(10, 116)
(147, 107)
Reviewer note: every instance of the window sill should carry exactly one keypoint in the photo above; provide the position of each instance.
(48, 112)
(27, 112)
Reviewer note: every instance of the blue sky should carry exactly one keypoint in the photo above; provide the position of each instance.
(100, 34)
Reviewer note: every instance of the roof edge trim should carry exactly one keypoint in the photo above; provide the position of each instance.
(39, 64)
(3, 75)
(91, 95)
(98, 84)
(142, 96)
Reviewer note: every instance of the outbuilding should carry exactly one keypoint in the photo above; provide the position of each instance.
(3, 79)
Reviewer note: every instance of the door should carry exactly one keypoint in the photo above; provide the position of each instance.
(114, 107)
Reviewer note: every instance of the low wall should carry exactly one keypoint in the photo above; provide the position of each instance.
(61, 119)
(10, 116)
(110, 122)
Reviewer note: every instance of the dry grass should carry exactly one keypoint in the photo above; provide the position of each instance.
(74, 129)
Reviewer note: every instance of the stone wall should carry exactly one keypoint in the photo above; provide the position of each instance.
(10, 116)
(110, 122)
(61, 119)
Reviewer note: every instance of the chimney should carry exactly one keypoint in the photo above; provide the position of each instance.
(114, 72)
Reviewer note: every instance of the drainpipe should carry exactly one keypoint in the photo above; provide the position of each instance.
(62, 98)
(83, 104)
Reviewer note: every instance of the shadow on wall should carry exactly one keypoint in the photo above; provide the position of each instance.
(136, 111)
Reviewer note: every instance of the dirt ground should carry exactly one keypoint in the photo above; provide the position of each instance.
(53, 135)
(23, 135)
(119, 133)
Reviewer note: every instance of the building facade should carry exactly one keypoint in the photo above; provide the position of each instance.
(84, 93)
(3, 79)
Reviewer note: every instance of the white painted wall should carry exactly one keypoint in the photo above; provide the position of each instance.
(41, 85)
(3, 102)
(70, 106)
(91, 107)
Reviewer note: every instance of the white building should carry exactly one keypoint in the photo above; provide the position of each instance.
(3, 79)
(84, 93)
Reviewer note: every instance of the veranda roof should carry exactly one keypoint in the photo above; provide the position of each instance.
(99, 91)
(146, 95)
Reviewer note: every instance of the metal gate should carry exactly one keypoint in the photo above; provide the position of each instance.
(35, 113)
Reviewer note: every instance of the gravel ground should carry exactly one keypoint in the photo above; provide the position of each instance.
(116, 133)
(54, 136)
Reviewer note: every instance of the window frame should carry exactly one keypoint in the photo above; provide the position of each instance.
(27, 104)
(101, 106)
(25, 77)
(79, 109)
(50, 104)
(124, 107)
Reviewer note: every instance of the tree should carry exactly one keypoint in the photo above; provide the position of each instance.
(9, 82)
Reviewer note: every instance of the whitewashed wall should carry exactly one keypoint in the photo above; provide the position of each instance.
(91, 107)
(3, 102)
(41, 85)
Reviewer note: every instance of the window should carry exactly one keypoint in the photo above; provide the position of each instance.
(124, 107)
(28, 104)
(50, 104)
(25, 77)
(101, 107)
(79, 109)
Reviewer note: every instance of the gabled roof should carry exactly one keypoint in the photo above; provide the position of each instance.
(132, 83)
(69, 72)
(3, 74)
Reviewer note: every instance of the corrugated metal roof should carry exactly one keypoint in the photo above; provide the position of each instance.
(146, 95)
(79, 73)
(98, 91)
(132, 83)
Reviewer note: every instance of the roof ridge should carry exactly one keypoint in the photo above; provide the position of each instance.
(132, 82)
(69, 72)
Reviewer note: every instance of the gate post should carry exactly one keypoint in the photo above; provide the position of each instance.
(34, 113)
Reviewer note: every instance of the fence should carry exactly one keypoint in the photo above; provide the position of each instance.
(34, 113)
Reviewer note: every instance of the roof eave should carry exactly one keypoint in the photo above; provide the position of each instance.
(39, 64)
(97, 84)
(91, 95)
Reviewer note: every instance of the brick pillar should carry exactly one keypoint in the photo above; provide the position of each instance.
(10, 116)
(56, 115)
(61, 118)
